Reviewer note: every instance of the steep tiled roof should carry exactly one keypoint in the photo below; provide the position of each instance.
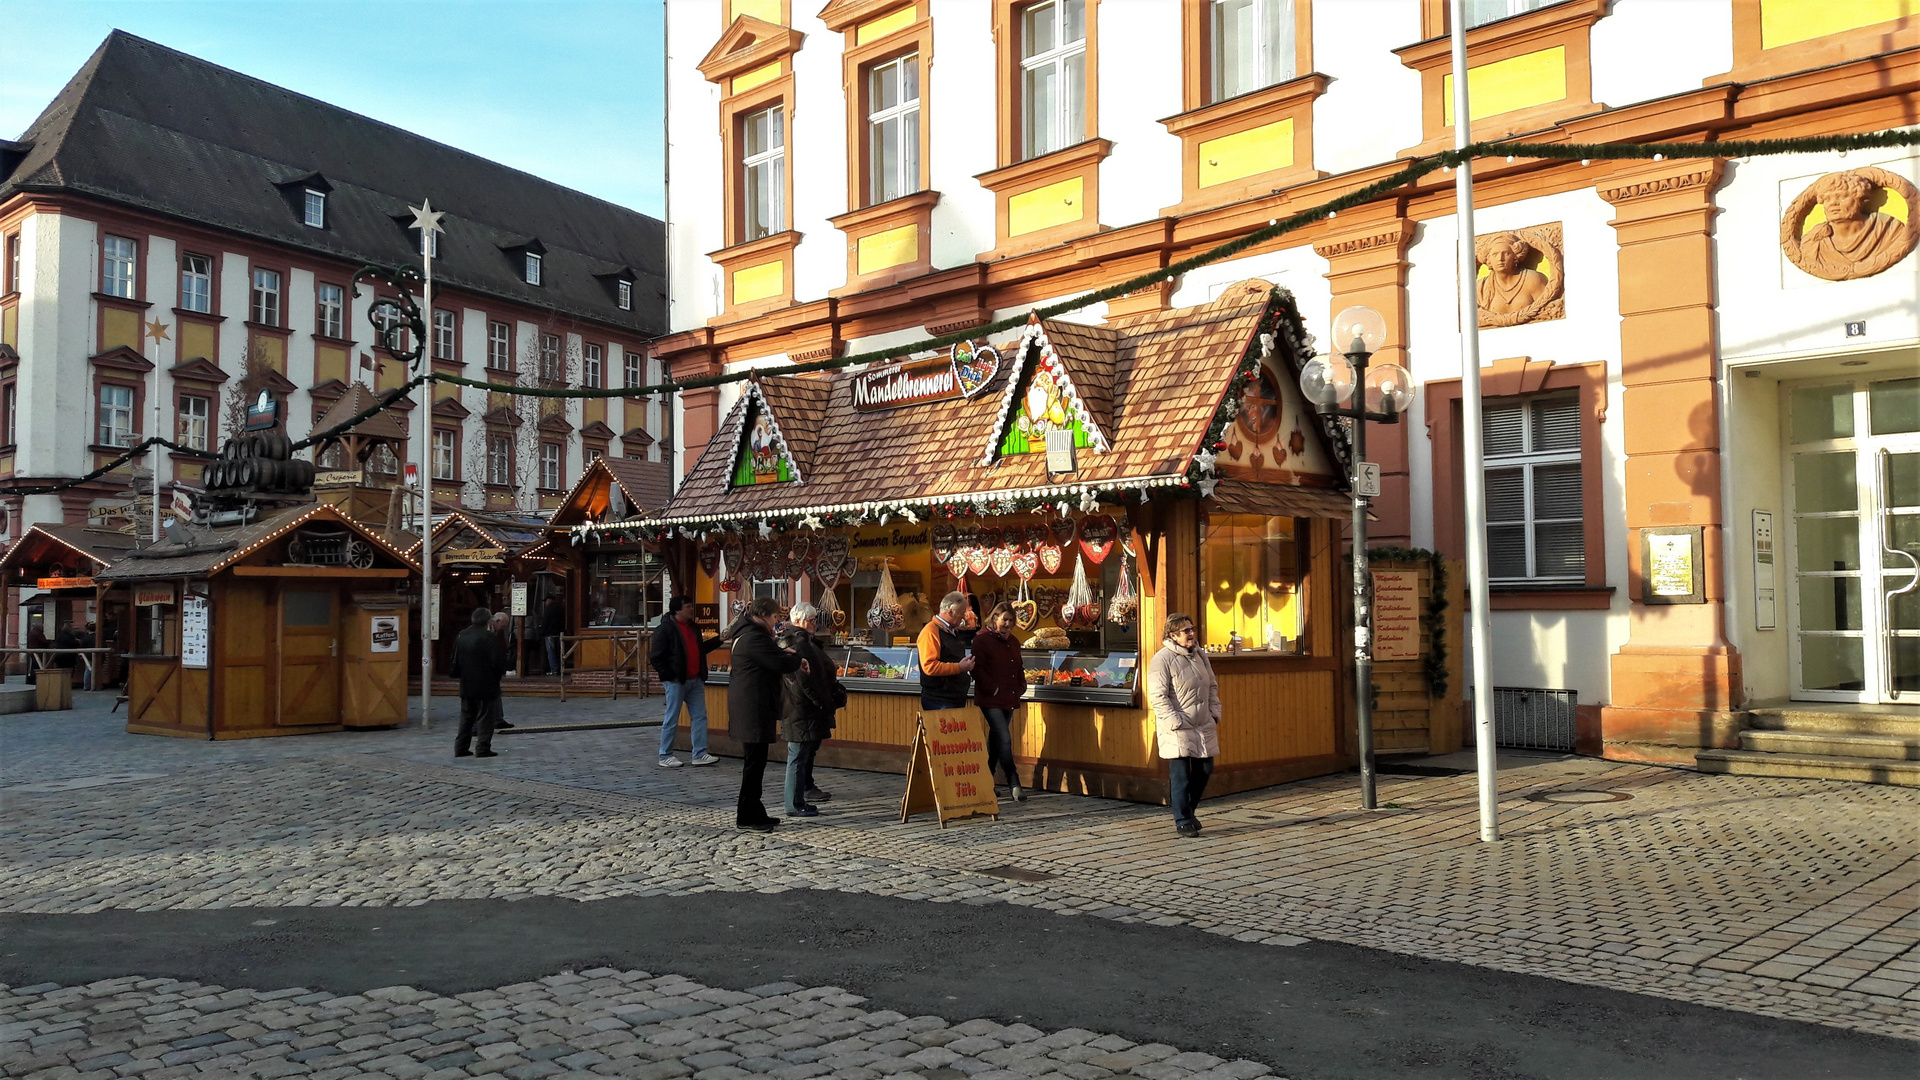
(1087, 352)
(197, 552)
(798, 404)
(385, 424)
(648, 484)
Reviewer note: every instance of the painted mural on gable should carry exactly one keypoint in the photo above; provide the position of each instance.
(1272, 436)
(1046, 406)
(761, 458)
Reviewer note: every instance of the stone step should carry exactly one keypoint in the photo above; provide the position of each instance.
(1811, 767)
(1833, 744)
(1891, 722)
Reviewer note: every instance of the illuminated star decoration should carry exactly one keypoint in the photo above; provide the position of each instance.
(811, 522)
(427, 219)
(156, 330)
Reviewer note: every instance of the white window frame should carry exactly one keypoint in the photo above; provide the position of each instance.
(624, 290)
(1270, 65)
(532, 268)
(592, 364)
(427, 243)
(553, 369)
(263, 300)
(1482, 12)
(115, 417)
(1059, 133)
(330, 303)
(313, 209)
(444, 335)
(444, 442)
(1526, 461)
(499, 346)
(631, 376)
(119, 276)
(385, 317)
(195, 418)
(500, 451)
(13, 263)
(894, 118)
(550, 459)
(771, 164)
(196, 283)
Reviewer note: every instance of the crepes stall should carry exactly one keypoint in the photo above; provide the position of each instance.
(1096, 478)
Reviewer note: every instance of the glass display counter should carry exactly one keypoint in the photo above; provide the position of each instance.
(1104, 678)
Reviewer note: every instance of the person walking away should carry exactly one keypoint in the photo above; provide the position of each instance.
(1186, 715)
(808, 702)
(679, 656)
(499, 625)
(945, 666)
(753, 703)
(999, 682)
(553, 623)
(481, 660)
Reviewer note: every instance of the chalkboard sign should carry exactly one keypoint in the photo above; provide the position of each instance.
(949, 774)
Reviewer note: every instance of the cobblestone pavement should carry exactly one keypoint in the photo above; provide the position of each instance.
(1790, 898)
(596, 1023)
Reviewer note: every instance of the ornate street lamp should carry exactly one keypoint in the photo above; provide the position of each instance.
(1329, 381)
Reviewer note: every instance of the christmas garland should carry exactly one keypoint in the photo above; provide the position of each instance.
(1436, 658)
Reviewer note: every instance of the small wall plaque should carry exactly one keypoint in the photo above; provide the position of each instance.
(1671, 570)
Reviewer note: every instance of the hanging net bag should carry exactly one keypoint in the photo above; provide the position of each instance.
(885, 614)
(1125, 606)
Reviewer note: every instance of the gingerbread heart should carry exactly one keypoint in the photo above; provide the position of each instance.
(944, 540)
(736, 553)
(709, 558)
(1068, 615)
(833, 555)
(1063, 530)
(1002, 561)
(1026, 563)
(1026, 614)
(1096, 536)
(1037, 535)
(1050, 557)
(978, 560)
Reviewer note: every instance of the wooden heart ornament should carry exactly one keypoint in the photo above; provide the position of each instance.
(978, 560)
(833, 555)
(944, 541)
(736, 552)
(709, 558)
(802, 550)
(1037, 535)
(1050, 557)
(1063, 530)
(1025, 564)
(1002, 560)
(974, 366)
(1026, 614)
(1096, 537)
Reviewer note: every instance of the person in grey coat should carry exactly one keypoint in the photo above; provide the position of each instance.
(808, 702)
(1185, 698)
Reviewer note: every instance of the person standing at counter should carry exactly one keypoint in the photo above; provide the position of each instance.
(808, 702)
(680, 657)
(753, 703)
(1000, 680)
(945, 667)
(1185, 699)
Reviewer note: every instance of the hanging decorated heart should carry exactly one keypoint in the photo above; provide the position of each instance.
(802, 550)
(710, 558)
(1126, 535)
(974, 366)
(1002, 558)
(945, 538)
(1037, 535)
(1050, 557)
(833, 554)
(1025, 564)
(1026, 614)
(978, 560)
(736, 554)
(992, 538)
(1096, 537)
(1063, 530)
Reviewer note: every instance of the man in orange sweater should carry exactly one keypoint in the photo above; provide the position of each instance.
(944, 663)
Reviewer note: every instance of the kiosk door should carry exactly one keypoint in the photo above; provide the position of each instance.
(309, 657)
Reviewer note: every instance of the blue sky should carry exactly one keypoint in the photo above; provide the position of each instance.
(566, 89)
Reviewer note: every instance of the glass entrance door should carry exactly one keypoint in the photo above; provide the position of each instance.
(1853, 483)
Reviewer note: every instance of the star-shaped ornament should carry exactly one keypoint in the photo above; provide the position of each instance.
(766, 530)
(811, 521)
(426, 218)
(156, 330)
(1205, 460)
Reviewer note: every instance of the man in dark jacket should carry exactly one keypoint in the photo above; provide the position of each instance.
(679, 655)
(753, 703)
(808, 702)
(481, 660)
(553, 624)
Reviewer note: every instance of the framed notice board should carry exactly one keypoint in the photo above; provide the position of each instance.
(1671, 570)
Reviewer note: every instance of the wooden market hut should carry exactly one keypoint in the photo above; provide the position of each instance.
(294, 621)
(50, 577)
(1171, 451)
(613, 585)
(477, 560)
(359, 469)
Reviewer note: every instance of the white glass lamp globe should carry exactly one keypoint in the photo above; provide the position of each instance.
(1327, 380)
(1362, 324)
(1389, 389)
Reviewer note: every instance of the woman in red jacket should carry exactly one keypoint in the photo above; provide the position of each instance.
(999, 682)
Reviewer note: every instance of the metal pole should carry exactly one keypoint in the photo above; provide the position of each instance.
(153, 453)
(1362, 590)
(426, 489)
(1480, 625)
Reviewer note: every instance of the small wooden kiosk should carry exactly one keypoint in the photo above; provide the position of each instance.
(276, 622)
(1166, 455)
(477, 562)
(614, 584)
(50, 577)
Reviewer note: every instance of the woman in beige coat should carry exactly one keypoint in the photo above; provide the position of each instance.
(1186, 715)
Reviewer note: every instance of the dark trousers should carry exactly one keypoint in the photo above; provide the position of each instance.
(477, 713)
(800, 757)
(1000, 745)
(752, 773)
(1187, 781)
(929, 704)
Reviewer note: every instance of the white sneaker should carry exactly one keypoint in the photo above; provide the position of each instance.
(705, 759)
(671, 762)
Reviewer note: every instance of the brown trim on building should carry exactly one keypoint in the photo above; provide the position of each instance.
(1567, 24)
(1196, 41)
(1080, 161)
(1291, 100)
(1752, 59)
(1006, 40)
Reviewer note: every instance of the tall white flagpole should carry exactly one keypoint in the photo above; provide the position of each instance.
(1480, 629)
(427, 222)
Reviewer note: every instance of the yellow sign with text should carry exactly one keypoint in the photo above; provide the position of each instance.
(948, 774)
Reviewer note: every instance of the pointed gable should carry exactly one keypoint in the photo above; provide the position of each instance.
(356, 400)
(748, 44)
(798, 405)
(1043, 396)
(760, 452)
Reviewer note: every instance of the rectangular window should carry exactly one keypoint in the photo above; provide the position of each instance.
(893, 128)
(500, 346)
(265, 308)
(1053, 76)
(763, 167)
(314, 209)
(196, 283)
(9, 405)
(631, 360)
(330, 311)
(443, 335)
(116, 415)
(1535, 528)
(590, 366)
(533, 269)
(500, 459)
(551, 373)
(427, 243)
(1481, 12)
(116, 266)
(593, 454)
(550, 466)
(443, 441)
(391, 326)
(625, 289)
(13, 263)
(192, 430)
(1252, 45)
(1252, 570)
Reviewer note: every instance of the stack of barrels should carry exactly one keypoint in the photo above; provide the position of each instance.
(259, 462)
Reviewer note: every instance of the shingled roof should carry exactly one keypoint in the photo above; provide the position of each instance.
(385, 424)
(1167, 375)
(146, 126)
(192, 551)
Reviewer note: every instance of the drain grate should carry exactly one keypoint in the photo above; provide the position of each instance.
(1017, 873)
(1578, 797)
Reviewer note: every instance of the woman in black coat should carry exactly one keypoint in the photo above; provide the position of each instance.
(753, 703)
(808, 702)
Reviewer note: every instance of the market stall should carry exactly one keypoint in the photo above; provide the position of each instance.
(612, 585)
(1096, 478)
(49, 577)
(477, 562)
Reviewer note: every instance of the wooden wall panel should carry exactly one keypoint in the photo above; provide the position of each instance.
(1275, 716)
(245, 628)
(153, 692)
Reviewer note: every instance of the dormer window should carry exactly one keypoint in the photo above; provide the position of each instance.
(427, 244)
(625, 297)
(531, 271)
(314, 209)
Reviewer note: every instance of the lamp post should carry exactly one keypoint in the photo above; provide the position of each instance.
(1377, 392)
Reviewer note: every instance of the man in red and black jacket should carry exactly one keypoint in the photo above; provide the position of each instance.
(679, 654)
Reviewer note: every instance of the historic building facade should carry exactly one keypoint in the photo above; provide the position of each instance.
(1702, 421)
(175, 229)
